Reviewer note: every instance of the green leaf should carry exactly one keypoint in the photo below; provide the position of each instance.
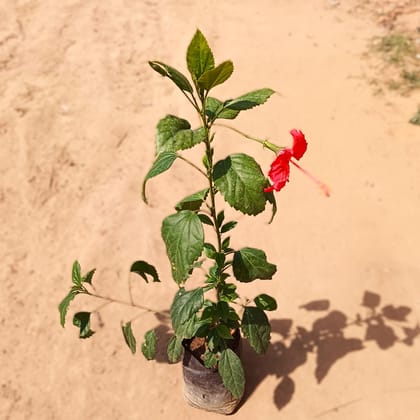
(87, 278)
(175, 134)
(228, 293)
(216, 76)
(185, 305)
(144, 269)
(215, 109)
(174, 350)
(177, 77)
(82, 321)
(266, 302)
(220, 217)
(222, 311)
(184, 239)
(205, 219)
(271, 198)
(148, 348)
(256, 328)
(249, 100)
(162, 163)
(240, 179)
(188, 328)
(209, 359)
(193, 202)
(232, 373)
(199, 56)
(223, 332)
(225, 244)
(210, 250)
(250, 264)
(228, 226)
(65, 303)
(231, 108)
(129, 337)
(76, 276)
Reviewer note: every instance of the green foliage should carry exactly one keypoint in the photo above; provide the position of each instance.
(174, 134)
(184, 239)
(87, 278)
(199, 56)
(265, 302)
(148, 348)
(205, 219)
(250, 264)
(177, 77)
(249, 100)
(82, 321)
(223, 332)
(227, 293)
(210, 360)
(129, 336)
(230, 109)
(65, 303)
(256, 328)
(216, 76)
(228, 226)
(162, 163)
(174, 350)
(240, 180)
(77, 288)
(144, 269)
(193, 202)
(76, 276)
(185, 305)
(187, 329)
(272, 200)
(210, 250)
(220, 218)
(215, 109)
(232, 372)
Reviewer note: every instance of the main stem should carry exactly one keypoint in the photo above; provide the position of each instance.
(209, 154)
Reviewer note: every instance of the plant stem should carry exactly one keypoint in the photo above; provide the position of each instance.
(209, 153)
(192, 101)
(193, 165)
(123, 302)
(271, 146)
(211, 180)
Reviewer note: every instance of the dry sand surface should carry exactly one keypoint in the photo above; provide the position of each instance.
(78, 108)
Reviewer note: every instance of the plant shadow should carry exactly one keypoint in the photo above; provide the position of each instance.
(326, 340)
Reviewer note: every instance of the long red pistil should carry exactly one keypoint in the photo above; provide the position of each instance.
(324, 188)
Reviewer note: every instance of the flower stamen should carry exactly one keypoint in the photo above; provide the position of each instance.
(324, 187)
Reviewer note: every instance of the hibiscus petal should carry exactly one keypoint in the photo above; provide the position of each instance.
(279, 170)
(299, 144)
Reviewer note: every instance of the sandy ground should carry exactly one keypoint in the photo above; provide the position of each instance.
(78, 107)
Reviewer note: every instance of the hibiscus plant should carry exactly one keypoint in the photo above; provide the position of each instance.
(197, 234)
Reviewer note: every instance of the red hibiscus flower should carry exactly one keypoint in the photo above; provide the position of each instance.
(280, 168)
